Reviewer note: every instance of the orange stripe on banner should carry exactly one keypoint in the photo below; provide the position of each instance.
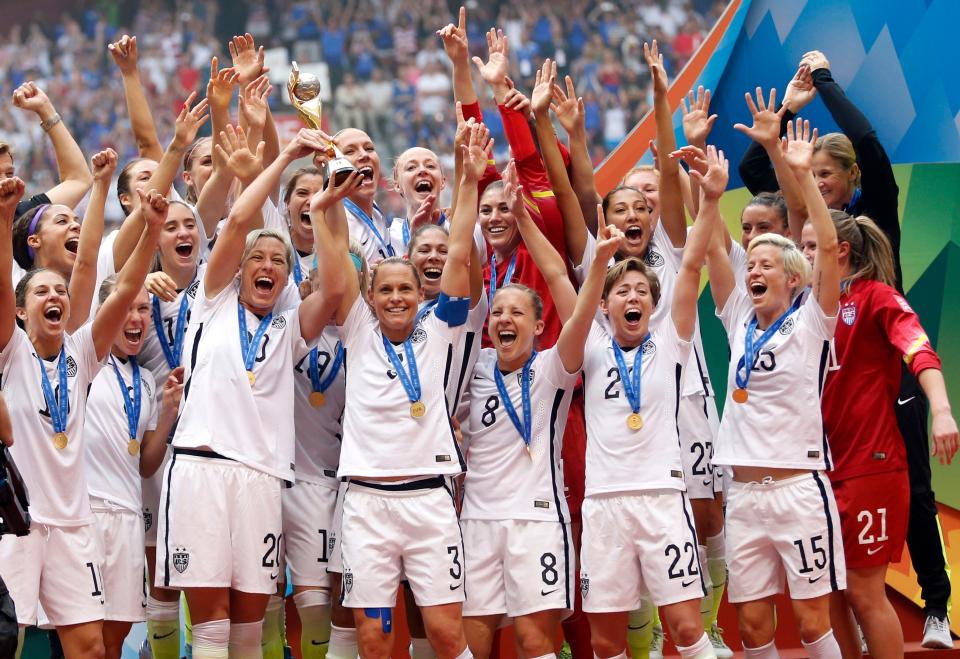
(628, 152)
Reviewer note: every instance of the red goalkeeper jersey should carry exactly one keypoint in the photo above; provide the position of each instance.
(876, 330)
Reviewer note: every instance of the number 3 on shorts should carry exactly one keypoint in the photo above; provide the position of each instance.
(456, 571)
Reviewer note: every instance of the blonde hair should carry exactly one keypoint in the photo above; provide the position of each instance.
(871, 256)
(794, 262)
(254, 236)
(839, 147)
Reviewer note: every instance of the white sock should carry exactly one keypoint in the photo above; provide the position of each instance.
(702, 649)
(245, 640)
(420, 648)
(466, 654)
(313, 606)
(343, 643)
(622, 655)
(546, 656)
(768, 651)
(211, 640)
(825, 647)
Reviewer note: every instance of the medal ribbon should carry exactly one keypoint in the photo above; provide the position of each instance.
(630, 381)
(424, 310)
(131, 407)
(323, 385)
(526, 428)
(493, 273)
(249, 348)
(59, 408)
(172, 353)
(753, 349)
(358, 212)
(411, 382)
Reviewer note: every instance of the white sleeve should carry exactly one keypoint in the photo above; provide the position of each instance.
(18, 341)
(87, 350)
(204, 306)
(735, 311)
(673, 255)
(478, 314)
(359, 318)
(272, 218)
(153, 402)
(589, 253)
(549, 365)
(822, 325)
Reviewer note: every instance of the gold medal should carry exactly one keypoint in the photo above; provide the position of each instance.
(635, 421)
(417, 409)
(251, 377)
(133, 447)
(60, 441)
(740, 396)
(317, 399)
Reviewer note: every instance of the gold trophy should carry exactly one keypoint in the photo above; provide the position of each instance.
(304, 92)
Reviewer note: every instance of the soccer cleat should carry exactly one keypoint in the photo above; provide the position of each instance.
(720, 648)
(936, 633)
(145, 651)
(565, 651)
(656, 645)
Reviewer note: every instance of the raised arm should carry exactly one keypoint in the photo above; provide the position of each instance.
(125, 56)
(75, 177)
(248, 63)
(943, 426)
(318, 307)
(220, 88)
(711, 185)
(83, 279)
(765, 131)
(570, 113)
(455, 280)
(798, 152)
(11, 191)
(111, 314)
(326, 207)
(185, 130)
(574, 227)
(697, 124)
(154, 446)
(574, 333)
(672, 216)
(455, 44)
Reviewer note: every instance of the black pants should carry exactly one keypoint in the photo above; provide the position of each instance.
(923, 532)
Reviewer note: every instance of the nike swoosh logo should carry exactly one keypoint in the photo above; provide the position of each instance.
(812, 580)
(544, 593)
(688, 583)
(644, 625)
(873, 550)
(312, 642)
(902, 401)
(454, 587)
(707, 482)
(158, 637)
(273, 577)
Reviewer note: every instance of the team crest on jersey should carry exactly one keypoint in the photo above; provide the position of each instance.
(649, 348)
(584, 587)
(787, 326)
(71, 367)
(347, 581)
(181, 559)
(653, 258)
(331, 543)
(533, 374)
(147, 520)
(279, 323)
(192, 289)
(849, 314)
(419, 335)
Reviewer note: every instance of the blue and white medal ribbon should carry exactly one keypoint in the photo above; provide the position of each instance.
(507, 278)
(631, 381)
(59, 404)
(411, 381)
(249, 348)
(317, 397)
(752, 350)
(385, 247)
(175, 352)
(130, 407)
(526, 428)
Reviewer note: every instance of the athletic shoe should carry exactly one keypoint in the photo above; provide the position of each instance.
(863, 641)
(936, 633)
(565, 651)
(656, 644)
(145, 651)
(716, 640)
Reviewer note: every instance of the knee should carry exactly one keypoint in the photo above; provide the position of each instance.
(813, 625)
(605, 647)
(94, 649)
(447, 639)
(755, 631)
(534, 645)
(687, 632)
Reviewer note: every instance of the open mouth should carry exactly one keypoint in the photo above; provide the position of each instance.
(71, 245)
(397, 310)
(634, 233)
(432, 274)
(507, 338)
(496, 230)
(366, 173)
(53, 314)
(757, 290)
(263, 284)
(305, 218)
(133, 336)
(633, 316)
(184, 249)
(423, 185)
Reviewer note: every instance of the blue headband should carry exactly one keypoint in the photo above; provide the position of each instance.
(32, 229)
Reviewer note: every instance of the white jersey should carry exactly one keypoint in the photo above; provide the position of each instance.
(56, 478)
(374, 249)
(152, 356)
(319, 429)
(113, 473)
(220, 410)
(380, 437)
(738, 262)
(780, 424)
(620, 459)
(503, 481)
(664, 259)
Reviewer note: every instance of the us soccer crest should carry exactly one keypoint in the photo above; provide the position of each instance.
(181, 559)
(147, 520)
(849, 314)
(347, 581)
(584, 587)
